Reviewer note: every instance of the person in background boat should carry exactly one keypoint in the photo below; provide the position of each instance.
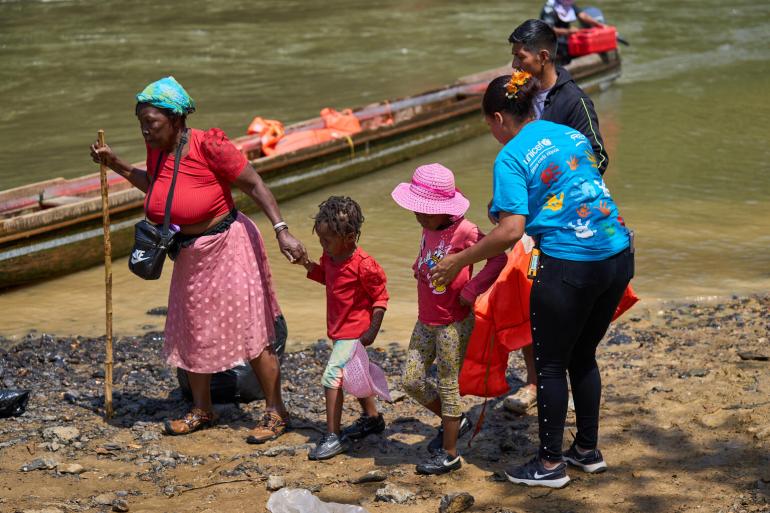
(560, 14)
(562, 101)
(356, 300)
(444, 319)
(544, 181)
(221, 305)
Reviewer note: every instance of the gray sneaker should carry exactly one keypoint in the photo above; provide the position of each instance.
(329, 446)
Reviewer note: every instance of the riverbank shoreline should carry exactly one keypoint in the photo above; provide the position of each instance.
(684, 426)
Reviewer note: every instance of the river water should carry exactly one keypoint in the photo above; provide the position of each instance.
(685, 127)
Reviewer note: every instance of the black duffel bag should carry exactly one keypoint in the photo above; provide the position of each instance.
(239, 384)
(13, 402)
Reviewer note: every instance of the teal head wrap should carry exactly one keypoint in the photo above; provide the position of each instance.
(168, 94)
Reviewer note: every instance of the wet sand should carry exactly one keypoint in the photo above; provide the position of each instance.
(685, 427)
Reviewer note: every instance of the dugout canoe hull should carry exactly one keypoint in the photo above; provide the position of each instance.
(54, 227)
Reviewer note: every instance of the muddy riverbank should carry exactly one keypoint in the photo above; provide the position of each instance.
(685, 427)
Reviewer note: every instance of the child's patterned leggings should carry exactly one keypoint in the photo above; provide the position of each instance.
(446, 345)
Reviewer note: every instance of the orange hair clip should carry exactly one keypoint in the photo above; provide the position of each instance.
(518, 79)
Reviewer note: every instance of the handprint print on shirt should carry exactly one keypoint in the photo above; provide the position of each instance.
(603, 209)
(591, 158)
(550, 174)
(582, 231)
(554, 202)
(583, 192)
(605, 190)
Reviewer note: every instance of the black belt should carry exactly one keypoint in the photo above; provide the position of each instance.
(184, 240)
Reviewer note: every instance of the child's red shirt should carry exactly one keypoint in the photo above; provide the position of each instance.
(354, 288)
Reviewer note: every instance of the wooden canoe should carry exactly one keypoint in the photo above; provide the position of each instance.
(54, 227)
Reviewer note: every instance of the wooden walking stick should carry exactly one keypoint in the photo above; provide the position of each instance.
(107, 283)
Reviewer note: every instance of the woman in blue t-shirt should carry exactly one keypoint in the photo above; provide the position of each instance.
(546, 182)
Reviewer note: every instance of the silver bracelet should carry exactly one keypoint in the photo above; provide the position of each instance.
(280, 226)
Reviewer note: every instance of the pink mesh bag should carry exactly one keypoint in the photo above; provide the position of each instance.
(362, 378)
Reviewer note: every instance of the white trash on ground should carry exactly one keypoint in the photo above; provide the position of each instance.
(299, 500)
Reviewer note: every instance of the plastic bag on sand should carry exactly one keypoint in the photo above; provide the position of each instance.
(299, 500)
(13, 402)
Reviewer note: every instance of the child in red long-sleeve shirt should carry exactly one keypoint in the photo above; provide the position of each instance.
(356, 299)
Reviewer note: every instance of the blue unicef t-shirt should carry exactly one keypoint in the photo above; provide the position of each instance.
(549, 174)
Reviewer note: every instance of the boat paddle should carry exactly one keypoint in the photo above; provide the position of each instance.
(107, 282)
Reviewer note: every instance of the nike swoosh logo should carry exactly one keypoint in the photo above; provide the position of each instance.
(538, 475)
(135, 260)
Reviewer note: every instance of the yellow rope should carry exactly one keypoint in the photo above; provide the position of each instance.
(352, 145)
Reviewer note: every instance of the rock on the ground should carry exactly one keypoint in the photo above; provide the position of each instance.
(105, 499)
(70, 468)
(149, 436)
(762, 433)
(289, 450)
(395, 494)
(275, 483)
(119, 505)
(397, 396)
(64, 434)
(39, 464)
(456, 502)
(373, 476)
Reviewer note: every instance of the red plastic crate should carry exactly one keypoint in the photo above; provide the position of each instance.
(592, 40)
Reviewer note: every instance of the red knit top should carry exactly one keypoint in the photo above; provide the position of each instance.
(202, 189)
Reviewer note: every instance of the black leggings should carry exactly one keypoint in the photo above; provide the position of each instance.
(571, 306)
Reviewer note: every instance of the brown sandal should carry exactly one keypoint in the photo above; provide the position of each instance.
(193, 421)
(269, 427)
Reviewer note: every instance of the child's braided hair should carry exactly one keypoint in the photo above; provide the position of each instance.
(341, 214)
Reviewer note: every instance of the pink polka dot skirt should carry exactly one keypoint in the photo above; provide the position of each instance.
(221, 305)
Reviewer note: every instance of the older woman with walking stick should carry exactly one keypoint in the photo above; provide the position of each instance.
(221, 305)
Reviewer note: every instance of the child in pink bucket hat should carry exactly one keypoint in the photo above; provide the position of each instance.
(445, 317)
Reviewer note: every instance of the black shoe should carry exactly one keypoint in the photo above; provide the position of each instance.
(327, 447)
(363, 427)
(438, 441)
(533, 473)
(591, 462)
(440, 463)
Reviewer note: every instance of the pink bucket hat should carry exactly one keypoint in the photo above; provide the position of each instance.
(432, 191)
(361, 378)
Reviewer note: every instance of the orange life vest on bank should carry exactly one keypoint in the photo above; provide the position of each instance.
(502, 325)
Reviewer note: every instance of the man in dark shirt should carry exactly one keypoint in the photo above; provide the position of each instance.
(560, 99)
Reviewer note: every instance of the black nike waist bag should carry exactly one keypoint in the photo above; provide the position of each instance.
(152, 241)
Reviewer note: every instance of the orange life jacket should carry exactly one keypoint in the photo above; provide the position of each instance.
(270, 132)
(502, 326)
(336, 125)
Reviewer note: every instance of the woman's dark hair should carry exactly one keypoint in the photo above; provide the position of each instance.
(535, 35)
(170, 114)
(341, 214)
(520, 107)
